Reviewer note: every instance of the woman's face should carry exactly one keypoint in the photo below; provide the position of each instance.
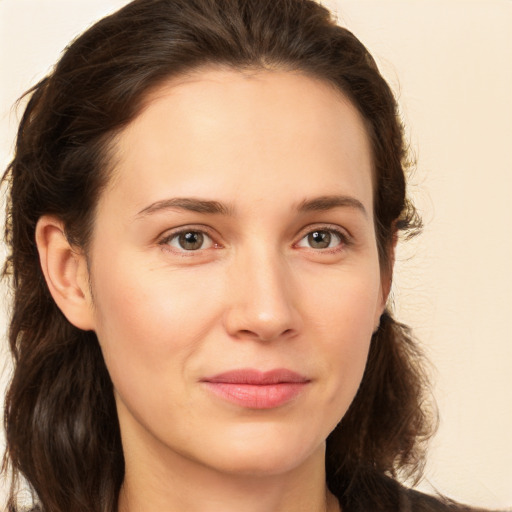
(234, 270)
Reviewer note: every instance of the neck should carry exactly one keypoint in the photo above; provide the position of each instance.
(170, 483)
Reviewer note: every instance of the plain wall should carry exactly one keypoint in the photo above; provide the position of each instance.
(449, 62)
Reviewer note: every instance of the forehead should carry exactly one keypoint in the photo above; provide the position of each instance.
(216, 131)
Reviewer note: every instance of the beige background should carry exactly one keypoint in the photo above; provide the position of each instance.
(450, 63)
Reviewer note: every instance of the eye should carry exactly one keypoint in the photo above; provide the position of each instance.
(189, 240)
(322, 239)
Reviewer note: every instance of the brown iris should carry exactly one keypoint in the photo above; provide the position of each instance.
(319, 239)
(191, 240)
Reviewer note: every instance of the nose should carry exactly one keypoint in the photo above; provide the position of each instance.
(262, 303)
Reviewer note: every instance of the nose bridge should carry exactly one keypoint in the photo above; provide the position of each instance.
(261, 302)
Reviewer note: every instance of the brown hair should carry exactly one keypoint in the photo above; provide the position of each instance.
(60, 416)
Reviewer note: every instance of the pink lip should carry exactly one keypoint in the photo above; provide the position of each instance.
(255, 389)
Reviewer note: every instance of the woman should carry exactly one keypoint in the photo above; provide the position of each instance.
(204, 205)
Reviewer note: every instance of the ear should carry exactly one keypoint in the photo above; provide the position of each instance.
(387, 278)
(387, 273)
(66, 273)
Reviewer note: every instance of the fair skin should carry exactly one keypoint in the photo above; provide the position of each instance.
(269, 263)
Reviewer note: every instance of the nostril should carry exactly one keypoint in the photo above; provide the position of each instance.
(265, 336)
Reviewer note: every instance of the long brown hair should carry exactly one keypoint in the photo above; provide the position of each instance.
(60, 417)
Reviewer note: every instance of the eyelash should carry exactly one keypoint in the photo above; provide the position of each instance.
(165, 242)
(344, 240)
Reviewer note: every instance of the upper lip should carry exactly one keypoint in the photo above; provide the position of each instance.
(256, 377)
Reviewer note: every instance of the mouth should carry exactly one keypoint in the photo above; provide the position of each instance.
(254, 389)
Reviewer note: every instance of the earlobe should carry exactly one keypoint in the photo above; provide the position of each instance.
(65, 271)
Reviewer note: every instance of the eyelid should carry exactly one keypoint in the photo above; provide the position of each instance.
(165, 238)
(343, 234)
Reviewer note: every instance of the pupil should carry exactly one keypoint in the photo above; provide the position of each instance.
(319, 239)
(191, 240)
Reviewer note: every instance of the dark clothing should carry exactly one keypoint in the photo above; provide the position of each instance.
(383, 494)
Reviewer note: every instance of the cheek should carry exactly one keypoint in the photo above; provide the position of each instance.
(341, 316)
(347, 304)
(149, 323)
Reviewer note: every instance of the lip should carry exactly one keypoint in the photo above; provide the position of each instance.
(255, 389)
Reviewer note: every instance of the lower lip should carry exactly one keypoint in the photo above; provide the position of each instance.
(257, 396)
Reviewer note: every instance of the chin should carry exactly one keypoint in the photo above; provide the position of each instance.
(265, 456)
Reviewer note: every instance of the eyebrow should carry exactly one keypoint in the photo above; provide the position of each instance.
(325, 203)
(189, 204)
(322, 203)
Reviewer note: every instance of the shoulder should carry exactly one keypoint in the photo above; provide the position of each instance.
(415, 501)
(420, 502)
(380, 493)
